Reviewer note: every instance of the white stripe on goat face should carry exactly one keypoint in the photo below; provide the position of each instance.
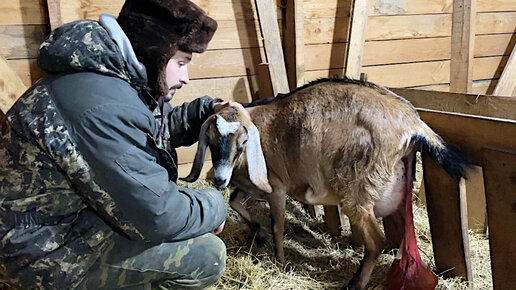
(223, 172)
(225, 128)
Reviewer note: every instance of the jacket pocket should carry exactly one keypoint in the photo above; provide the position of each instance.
(142, 167)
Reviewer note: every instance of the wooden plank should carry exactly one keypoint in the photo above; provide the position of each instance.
(488, 106)
(272, 43)
(494, 44)
(54, 13)
(26, 69)
(21, 41)
(356, 38)
(507, 82)
(240, 89)
(11, 86)
(332, 220)
(500, 179)
(471, 133)
(497, 22)
(462, 45)
(446, 204)
(477, 211)
(220, 9)
(17, 12)
(408, 26)
(326, 8)
(295, 44)
(496, 5)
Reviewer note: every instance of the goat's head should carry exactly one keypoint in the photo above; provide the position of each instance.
(234, 141)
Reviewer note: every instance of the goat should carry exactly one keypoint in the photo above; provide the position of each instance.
(332, 142)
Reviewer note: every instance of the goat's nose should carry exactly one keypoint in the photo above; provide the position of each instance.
(219, 182)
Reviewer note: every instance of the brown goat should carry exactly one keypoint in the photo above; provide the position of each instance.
(331, 142)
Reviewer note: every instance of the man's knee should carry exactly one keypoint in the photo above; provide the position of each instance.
(212, 250)
(200, 264)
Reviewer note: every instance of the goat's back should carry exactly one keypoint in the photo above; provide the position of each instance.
(336, 135)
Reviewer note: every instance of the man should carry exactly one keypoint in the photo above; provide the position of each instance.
(88, 167)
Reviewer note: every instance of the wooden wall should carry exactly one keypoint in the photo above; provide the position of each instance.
(407, 43)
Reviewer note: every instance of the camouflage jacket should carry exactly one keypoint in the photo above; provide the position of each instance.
(82, 160)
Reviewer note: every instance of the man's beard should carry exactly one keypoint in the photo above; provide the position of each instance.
(171, 91)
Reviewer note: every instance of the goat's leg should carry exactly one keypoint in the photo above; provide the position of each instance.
(235, 201)
(367, 227)
(277, 202)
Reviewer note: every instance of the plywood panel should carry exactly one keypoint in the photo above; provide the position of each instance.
(15, 12)
(21, 41)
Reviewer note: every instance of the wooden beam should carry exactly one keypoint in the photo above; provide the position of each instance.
(462, 45)
(11, 86)
(446, 205)
(272, 43)
(295, 43)
(54, 13)
(357, 38)
(471, 133)
(481, 105)
(507, 82)
(500, 179)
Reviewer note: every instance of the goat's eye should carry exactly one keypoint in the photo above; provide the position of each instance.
(245, 141)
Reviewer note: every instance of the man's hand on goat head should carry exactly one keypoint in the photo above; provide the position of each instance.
(226, 104)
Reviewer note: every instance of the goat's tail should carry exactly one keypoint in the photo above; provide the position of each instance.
(451, 158)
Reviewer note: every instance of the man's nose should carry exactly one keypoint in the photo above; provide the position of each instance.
(184, 78)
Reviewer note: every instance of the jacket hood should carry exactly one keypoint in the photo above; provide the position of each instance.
(85, 46)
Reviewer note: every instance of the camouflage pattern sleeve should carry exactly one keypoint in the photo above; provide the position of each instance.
(186, 120)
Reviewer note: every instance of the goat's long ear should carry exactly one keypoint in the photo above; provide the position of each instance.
(256, 165)
(200, 155)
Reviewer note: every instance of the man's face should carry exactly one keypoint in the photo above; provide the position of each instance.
(177, 72)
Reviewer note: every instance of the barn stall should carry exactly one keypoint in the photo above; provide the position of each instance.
(454, 60)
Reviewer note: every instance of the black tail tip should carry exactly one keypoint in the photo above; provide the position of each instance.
(453, 160)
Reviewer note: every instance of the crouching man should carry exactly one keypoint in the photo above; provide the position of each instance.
(88, 168)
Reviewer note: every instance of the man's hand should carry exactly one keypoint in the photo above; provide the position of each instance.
(219, 229)
(221, 105)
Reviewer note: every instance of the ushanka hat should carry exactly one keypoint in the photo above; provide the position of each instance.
(157, 29)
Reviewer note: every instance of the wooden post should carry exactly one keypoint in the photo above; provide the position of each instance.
(462, 45)
(11, 86)
(507, 83)
(54, 13)
(332, 219)
(500, 180)
(295, 43)
(357, 38)
(447, 213)
(272, 43)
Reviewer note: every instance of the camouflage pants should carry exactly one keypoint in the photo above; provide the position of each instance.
(192, 264)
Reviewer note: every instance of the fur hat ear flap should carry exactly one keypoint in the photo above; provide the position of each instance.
(157, 29)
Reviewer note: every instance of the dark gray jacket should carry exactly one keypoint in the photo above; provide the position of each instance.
(81, 157)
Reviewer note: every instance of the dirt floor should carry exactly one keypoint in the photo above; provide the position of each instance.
(314, 260)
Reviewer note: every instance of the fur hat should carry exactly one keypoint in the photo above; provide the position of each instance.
(157, 29)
